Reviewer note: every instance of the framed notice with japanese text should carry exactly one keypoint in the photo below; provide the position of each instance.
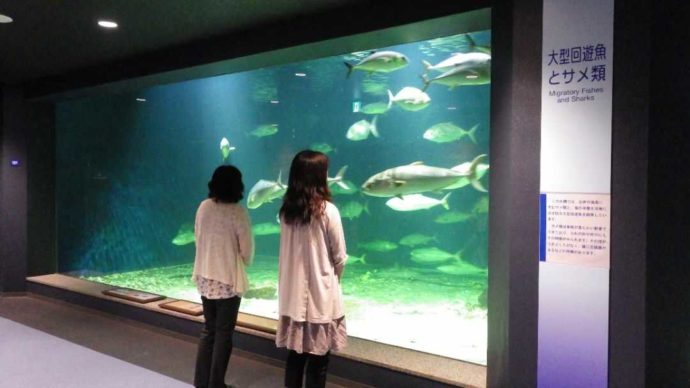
(574, 229)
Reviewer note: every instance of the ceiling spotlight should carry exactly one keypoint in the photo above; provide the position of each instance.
(107, 24)
(300, 74)
(274, 101)
(5, 19)
(141, 99)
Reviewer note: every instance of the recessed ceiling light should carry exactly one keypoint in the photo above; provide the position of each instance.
(107, 24)
(300, 75)
(5, 19)
(141, 99)
(274, 101)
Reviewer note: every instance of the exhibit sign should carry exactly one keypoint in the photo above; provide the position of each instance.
(575, 187)
(574, 229)
(133, 295)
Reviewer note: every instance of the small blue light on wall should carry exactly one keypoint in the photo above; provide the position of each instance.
(14, 163)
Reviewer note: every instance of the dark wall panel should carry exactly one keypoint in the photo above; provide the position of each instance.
(668, 250)
(41, 250)
(629, 194)
(13, 223)
(513, 245)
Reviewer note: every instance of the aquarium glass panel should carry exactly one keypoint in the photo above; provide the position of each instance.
(406, 129)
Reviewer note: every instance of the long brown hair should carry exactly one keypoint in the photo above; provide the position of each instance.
(307, 189)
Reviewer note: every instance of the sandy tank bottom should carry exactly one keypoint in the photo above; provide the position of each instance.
(411, 307)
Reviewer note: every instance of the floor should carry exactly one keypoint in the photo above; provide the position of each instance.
(67, 337)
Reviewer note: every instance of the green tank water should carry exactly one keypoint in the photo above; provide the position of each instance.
(406, 129)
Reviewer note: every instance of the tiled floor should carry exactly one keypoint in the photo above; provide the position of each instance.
(169, 354)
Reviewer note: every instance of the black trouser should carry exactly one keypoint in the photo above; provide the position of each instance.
(215, 344)
(316, 370)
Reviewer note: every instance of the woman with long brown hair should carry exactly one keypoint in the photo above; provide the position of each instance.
(311, 263)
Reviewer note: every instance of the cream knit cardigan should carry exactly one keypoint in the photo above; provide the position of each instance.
(224, 243)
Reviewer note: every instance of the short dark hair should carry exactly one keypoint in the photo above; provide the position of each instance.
(226, 184)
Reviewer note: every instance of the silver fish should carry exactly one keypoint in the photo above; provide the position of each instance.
(265, 191)
(354, 259)
(265, 130)
(460, 268)
(352, 210)
(414, 202)
(382, 61)
(455, 60)
(338, 179)
(361, 130)
(466, 168)
(415, 239)
(447, 132)
(412, 179)
(409, 98)
(482, 169)
(432, 255)
(475, 71)
(225, 148)
(375, 108)
(378, 245)
(185, 235)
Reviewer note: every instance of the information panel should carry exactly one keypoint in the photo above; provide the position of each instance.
(574, 229)
(575, 187)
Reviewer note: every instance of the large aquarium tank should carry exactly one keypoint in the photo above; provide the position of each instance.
(406, 128)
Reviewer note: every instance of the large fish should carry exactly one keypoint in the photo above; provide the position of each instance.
(476, 70)
(378, 245)
(265, 130)
(354, 259)
(461, 268)
(413, 179)
(265, 191)
(352, 210)
(453, 217)
(185, 235)
(474, 47)
(455, 60)
(415, 239)
(338, 179)
(409, 98)
(480, 170)
(351, 188)
(414, 202)
(432, 255)
(382, 61)
(375, 108)
(447, 132)
(361, 130)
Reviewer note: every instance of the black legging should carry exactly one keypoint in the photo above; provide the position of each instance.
(215, 344)
(316, 370)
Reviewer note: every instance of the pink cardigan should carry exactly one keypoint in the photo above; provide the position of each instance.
(224, 243)
(311, 259)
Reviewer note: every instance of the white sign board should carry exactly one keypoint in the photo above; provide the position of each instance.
(575, 186)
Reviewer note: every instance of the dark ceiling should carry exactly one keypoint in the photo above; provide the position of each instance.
(56, 45)
(50, 37)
